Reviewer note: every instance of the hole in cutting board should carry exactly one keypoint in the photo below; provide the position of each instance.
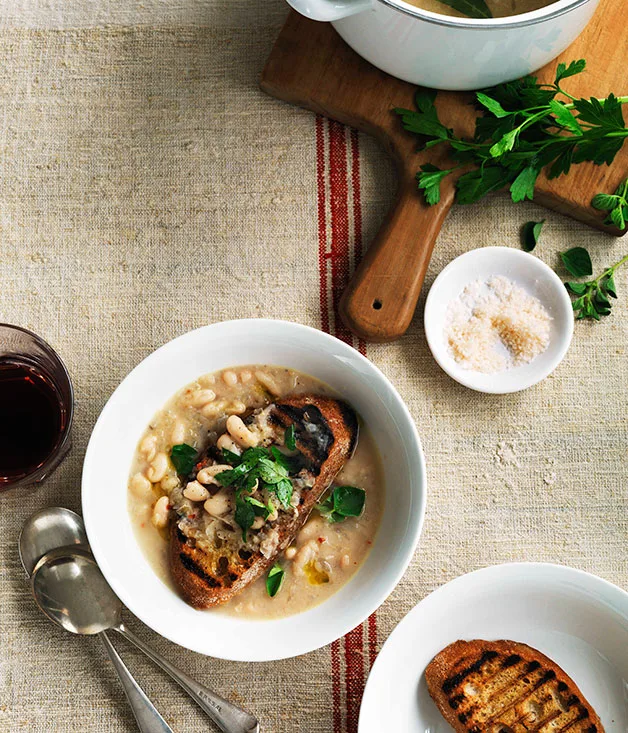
(377, 305)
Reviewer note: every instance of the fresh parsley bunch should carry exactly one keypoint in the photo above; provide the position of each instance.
(525, 127)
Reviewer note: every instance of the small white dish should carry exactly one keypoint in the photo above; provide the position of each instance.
(525, 270)
(144, 392)
(578, 620)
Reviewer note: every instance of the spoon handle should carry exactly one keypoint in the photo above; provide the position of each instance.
(228, 717)
(148, 718)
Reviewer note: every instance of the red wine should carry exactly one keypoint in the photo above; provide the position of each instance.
(31, 419)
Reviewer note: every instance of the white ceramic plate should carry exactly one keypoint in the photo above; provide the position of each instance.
(144, 392)
(531, 274)
(578, 620)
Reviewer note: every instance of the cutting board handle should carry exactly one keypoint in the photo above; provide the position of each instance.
(380, 300)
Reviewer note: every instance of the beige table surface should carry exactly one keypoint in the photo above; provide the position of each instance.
(148, 187)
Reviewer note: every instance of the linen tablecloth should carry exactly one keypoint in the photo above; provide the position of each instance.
(147, 187)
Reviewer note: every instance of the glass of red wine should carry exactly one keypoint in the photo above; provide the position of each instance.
(36, 406)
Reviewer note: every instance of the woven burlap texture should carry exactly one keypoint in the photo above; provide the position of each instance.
(147, 187)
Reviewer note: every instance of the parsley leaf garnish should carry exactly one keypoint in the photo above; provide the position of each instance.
(274, 580)
(343, 502)
(525, 127)
(183, 457)
(258, 467)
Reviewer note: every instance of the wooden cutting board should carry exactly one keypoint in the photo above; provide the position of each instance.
(311, 66)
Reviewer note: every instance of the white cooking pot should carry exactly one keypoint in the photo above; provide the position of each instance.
(444, 52)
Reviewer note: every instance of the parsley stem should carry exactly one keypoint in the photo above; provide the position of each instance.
(621, 100)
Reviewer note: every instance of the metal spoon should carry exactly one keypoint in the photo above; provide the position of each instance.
(56, 526)
(70, 589)
(46, 530)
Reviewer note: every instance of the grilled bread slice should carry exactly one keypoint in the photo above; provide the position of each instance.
(326, 432)
(506, 687)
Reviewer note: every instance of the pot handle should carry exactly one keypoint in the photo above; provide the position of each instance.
(327, 10)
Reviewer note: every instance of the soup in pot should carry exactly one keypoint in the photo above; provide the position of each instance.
(480, 8)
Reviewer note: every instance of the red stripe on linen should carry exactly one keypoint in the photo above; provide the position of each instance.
(322, 220)
(339, 220)
(357, 210)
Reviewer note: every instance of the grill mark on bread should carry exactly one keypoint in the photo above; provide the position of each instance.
(449, 685)
(513, 690)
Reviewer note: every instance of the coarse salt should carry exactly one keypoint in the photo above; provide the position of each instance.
(494, 325)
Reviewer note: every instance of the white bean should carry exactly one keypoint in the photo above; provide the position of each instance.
(230, 378)
(195, 491)
(211, 409)
(206, 475)
(269, 383)
(148, 447)
(158, 467)
(290, 553)
(161, 512)
(240, 433)
(169, 482)
(141, 486)
(178, 432)
(345, 561)
(202, 397)
(245, 376)
(218, 504)
(226, 441)
(258, 523)
(236, 408)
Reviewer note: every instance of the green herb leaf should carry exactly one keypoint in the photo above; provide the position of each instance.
(470, 8)
(270, 471)
(244, 516)
(604, 201)
(349, 500)
(563, 71)
(292, 464)
(183, 457)
(577, 261)
(274, 580)
(429, 181)
(259, 508)
(523, 186)
(609, 286)
(343, 502)
(492, 105)
(577, 288)
(530, 234)
(233, 459)
(289, 438)
(564, 117)
(616, 204)
(283, 489)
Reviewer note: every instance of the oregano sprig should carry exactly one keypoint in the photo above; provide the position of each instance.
(615, 203)
(593, 298)
(525, 127)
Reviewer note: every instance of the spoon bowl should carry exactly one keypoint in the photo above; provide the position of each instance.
(45, 531)
(72, 592)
